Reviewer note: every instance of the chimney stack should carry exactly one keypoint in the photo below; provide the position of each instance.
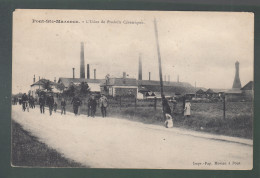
(73, 72)
(149, 75)
(178, 79)
(169, 79)
(39, 78)
(82, 61)
(140, 67)
(124, 75)
(33, 78)
(88, 76)
(55, 79)
(237, 83)
(95, 74)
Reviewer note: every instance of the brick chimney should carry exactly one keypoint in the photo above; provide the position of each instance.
(237, 83)
(33, 78)
(140, 68)
(95, 74)
(82, 61)
(73, 72)
(149, 75)
(88, 76)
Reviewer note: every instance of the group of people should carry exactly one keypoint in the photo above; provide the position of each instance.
(27, 102)
(76, 104)
(168, 112)
(92, 105)
(49, 102)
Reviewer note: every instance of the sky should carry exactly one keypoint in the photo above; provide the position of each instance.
(199, 47)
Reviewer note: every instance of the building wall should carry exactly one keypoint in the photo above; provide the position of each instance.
(124, 90)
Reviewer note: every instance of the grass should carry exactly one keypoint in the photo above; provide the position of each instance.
(27, 151)
(206, 117)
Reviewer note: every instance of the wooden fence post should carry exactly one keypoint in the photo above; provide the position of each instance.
(155, 103)
(135, 104)
(120, 101)
(224, 107)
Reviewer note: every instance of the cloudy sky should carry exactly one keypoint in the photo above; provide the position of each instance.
(200, 47)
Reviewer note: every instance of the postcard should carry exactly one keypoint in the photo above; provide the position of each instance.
(132, 89)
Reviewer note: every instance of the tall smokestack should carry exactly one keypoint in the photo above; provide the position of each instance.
(178, 80)
(82, 61)
(140, 67)
(88, 76)
(149, 75)
(95, 74)
(55, 79)
(124, 74)
(168, 78)
(237, 83)
(33, 78)
(39, 78)
(73, 72)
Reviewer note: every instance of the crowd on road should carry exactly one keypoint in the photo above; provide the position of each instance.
(48, 101)
(29, 102)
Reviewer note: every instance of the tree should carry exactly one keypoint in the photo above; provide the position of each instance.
(71, 91)
(60, 86)
(84, 89)
(47, 85)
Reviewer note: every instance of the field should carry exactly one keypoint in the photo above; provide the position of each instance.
(205, 117)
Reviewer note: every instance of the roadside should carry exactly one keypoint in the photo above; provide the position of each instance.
(27, 151)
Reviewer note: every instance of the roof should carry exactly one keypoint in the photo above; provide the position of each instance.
(155, 82)
(210, 91)
(42, 81)
(200, 91)
(122, 82)
(67, 81)
(248, 86)
(234, 91)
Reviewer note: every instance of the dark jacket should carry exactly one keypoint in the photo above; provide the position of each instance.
(93, 103)
(63, 103)
(50, 101)
(24, 98)
(166, 107)
(41, 101)
(76, 102)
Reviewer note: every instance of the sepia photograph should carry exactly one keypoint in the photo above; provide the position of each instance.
(125, 89)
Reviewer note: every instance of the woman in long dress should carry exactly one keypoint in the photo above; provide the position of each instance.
(187, 109)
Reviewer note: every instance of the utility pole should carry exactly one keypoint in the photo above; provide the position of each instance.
(159, 56)
(159, 61)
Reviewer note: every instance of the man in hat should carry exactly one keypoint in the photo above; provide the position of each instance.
(76, 102)
(103, 105)
(25, 102)
(50, 103)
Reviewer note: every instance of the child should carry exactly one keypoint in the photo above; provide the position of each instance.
(169, 121)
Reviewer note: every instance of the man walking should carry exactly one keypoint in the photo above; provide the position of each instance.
(76, 102)
(25, 102)
(42, 104)
(63, 106)
(93, 105)
(50, 103)
(103, 105)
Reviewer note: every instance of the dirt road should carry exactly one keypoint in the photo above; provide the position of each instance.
(119, 143)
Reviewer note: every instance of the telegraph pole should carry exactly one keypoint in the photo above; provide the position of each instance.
(159, 61)
(159, 56)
